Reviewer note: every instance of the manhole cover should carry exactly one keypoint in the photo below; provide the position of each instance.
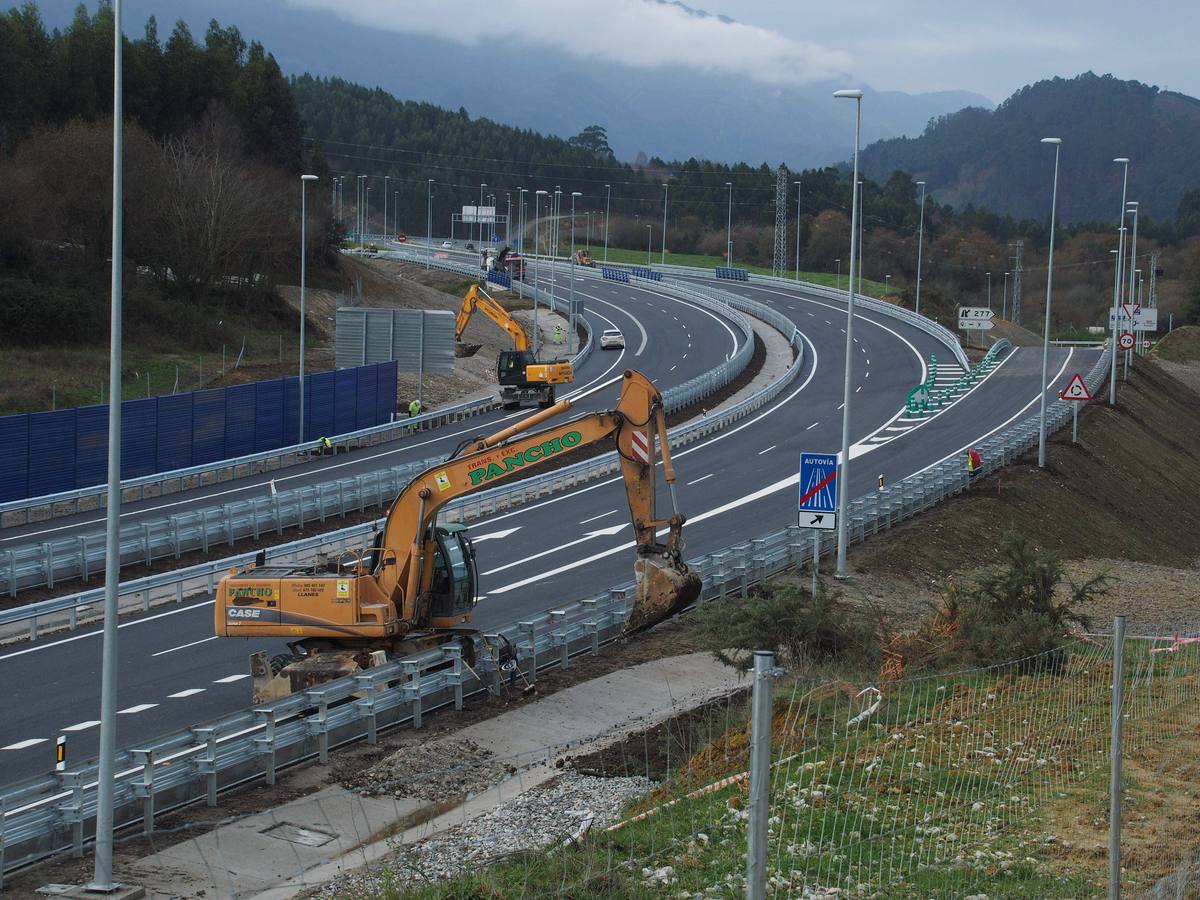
(307, 837)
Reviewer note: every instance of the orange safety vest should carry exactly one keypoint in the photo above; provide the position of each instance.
(974, 461)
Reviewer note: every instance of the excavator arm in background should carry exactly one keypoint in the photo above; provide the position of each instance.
(478, 299)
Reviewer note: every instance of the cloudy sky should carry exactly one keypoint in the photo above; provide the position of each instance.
(914, 46)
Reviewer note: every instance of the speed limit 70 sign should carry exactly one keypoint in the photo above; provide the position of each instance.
(1126, 341)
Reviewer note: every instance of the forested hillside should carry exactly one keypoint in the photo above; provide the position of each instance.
(994, 159)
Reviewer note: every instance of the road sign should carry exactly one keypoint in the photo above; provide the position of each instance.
(1076, 389)
(1146, 344)
(1126, 340)
(1144, 319)
(975, 318)
(818, 491)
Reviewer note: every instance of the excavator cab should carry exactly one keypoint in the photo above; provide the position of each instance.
(510, 368)
(455, 577)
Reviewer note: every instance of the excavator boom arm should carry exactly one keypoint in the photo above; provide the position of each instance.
(478, 299)
(495, 459)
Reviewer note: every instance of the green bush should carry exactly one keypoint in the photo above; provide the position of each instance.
(786, 619)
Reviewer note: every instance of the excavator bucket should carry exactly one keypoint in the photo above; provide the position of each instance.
(662, 589)
(461, 351)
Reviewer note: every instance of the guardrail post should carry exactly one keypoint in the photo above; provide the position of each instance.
(12, 574)
(454, 651)
(3, 841)
(229, 537)
(72, 810)
(591, 624)
(266, 743)
(319, 725)
(558, 637)
(204, 529)
(48, 555)
(366, 706)
(83, 557)
(206, 765)
(412, 690)
(145, 789)
(530, 632)
(278, 516)
(146, 543)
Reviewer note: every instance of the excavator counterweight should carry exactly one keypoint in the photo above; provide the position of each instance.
(416, 585)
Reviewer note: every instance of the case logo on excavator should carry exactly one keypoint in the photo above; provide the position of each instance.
(501, 464)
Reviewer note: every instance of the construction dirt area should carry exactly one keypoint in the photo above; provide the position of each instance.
(1125, 501)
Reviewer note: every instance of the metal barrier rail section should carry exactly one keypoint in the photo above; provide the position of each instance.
(56, 812)
(48, 562)
(917, 400)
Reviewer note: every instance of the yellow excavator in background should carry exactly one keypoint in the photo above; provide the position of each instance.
(522, 378)
(415, 587)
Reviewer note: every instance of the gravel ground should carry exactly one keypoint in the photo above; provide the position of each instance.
(430, 771)
(543, 816)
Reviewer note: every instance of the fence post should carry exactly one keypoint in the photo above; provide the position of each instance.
(760, 776)
(1114, 784)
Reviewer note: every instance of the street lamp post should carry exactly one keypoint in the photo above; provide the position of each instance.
(607, 207)
(839, 273)
(1112, 381)
(479, 214)
(571, 301)
(521, 221)
(536, 256)
(1057, 142)
(649, 236)
(664, 231)
(797, 184)
(304, 180)
(386, 179)
(508, 219)
(729, 227)
(989, 289)
(1004, 299)
(920, 242)
(428, 222)
(843, 492)
(396, 214)
(887, 284)
(1132, 206)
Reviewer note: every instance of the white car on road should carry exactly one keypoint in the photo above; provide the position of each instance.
(447, 245)
(612, 339)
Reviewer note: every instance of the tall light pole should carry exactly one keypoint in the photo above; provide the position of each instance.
(989, 289)
(797, 184)
(1057, 142)
(1132, 206)
(649, 236)
(1004, 299)
(843, 476)
(607, 208)
(887, 284)
(428, 221)
(362, 183)
(571, 302)
(664, 233)
(536, 256)
(729, 227)
(396, 214)
(1112, 381)
(102, 880)
(304, 180)
(920, 242)
(386, 179)
(861, 239)
(521, 221)
(839, 273)
(508, 219)
(479, 213)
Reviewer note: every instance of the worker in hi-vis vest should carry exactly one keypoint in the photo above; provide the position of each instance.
(414, 409)
(974, 462)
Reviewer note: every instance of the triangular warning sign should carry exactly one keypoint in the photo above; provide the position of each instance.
(1076, 389)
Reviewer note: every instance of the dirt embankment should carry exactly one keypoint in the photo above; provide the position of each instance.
(1125, 501)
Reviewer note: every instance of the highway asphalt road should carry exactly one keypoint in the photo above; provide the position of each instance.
(736, 484)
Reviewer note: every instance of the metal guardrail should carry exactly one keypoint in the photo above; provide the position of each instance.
(49, 562)
(56, 812)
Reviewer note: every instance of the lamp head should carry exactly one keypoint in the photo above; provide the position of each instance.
(1122, 159)
(576, 194)
(853, 94)
(1055, 141)
(308, 177)
(542, 193)
(1132, 204)
(921, 183)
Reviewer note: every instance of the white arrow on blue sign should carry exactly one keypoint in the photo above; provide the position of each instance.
(818, 491)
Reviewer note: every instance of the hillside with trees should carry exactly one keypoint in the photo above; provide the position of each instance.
(993, 159)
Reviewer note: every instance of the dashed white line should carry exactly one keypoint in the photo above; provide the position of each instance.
(827, 322)
(857, 389)
(133, 710)
(768, 450)
(21, 745)
(185, 646)
(188, 693)
(230, 679)
(812, 426)
(702, 478)
(83, 726)
(841, 405)
(601, 516)
(672, 369)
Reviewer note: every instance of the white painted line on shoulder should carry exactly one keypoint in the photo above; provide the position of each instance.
(21, 745)
(190, 692)
(230, 679)
(768, 450)
(701, 478)
(185, 646)
(133, 710)
(83, 726)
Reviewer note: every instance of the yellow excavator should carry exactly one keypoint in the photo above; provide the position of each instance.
(522, 378)
(415, 587)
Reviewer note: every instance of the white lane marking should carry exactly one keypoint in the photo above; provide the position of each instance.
(79, 637)
(601, 516)
(185, 646)
(867, 374)
(684, 356)
(636, 321)
(495, 535)
(768, 449)
(190, 692)
(841, 405)
(134, 710)
(599, 532)
(810, 315)
(83, 726)
(857, 389)
(230, 679)
(713, 316)
(702, 478)
(21, 745)
(812, 426)
(827, 322)
(672, 369)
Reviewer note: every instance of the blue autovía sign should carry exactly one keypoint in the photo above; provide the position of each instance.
(818, 482)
